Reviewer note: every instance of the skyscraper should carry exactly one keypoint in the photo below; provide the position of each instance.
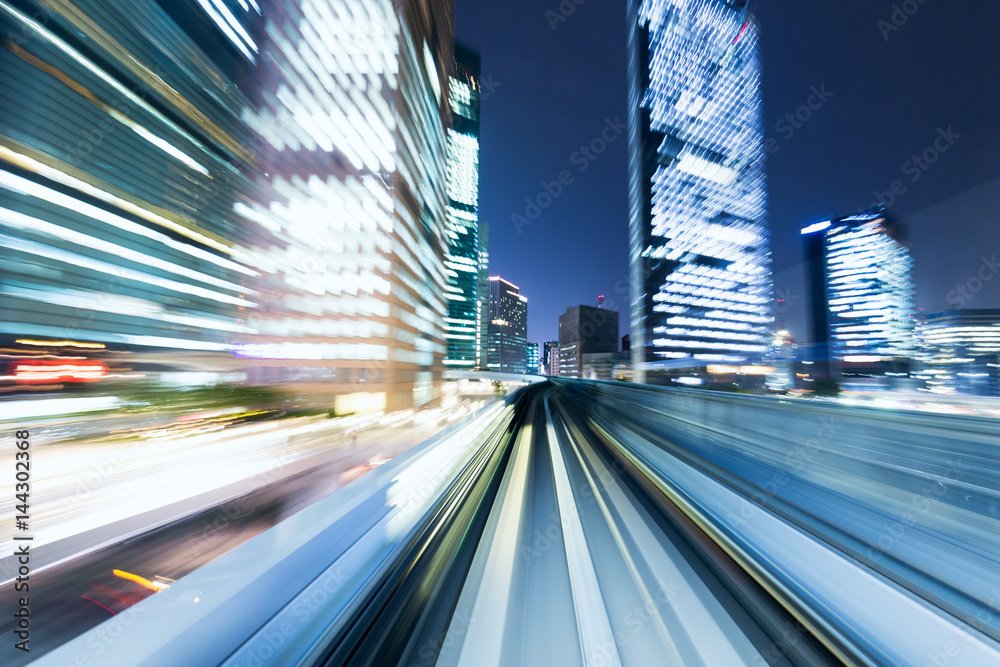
(462, 328)
(507, 336)
(532, 364)
(861, 288)
(550, 358)
(584, 331)
(352, 214)
(699, 247)
(233, 192)
(124, 161)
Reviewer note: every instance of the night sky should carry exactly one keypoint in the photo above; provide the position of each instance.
(890, 94)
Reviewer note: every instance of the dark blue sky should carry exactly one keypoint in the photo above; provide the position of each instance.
(891, 92)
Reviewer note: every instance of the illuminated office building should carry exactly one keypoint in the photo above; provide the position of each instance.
(462, 329)
(860, 283)
(533, 362)
(124, 164)
(507, 336)
(353, 208)
(960, 352)
(699, 246)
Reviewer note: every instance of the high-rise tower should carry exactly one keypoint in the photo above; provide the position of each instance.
(355, 115)
(861, 287)
(700, 258)
(507, 335)
(462, 328)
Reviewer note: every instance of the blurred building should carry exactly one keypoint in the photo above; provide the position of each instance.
(699, 247)
(259, 186)
(781, 359)
(532, 356)
(606, 366)
(353, 207)
(550, 358)
(861, 290)
(462, 257)
(125, 166)
(507, 335)
(585, 330)
(626, 343)
(960, 352)
(483, 296)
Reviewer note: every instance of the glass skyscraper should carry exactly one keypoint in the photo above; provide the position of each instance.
(533, 361)
(585, 330)
(123, 163)
(462, 327)
(860, 274)
(507, 336)
(699, 246)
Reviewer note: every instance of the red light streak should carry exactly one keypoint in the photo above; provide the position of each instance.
(742, 30)
(41, 370)
(96, 602)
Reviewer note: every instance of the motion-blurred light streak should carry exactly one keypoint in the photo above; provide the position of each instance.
(281, 194)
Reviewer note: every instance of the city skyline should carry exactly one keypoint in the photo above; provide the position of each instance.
(273, 393)
(586, 87)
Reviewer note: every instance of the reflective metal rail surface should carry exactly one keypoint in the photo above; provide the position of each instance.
(601, 524)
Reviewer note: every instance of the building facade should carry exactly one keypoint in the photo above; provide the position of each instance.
(354, 204)
(254, 186)
(699, 247)
(483, 297)
(462, 255)
(533, 365)
(507, 335)
(123, 165)
(861, 290)
(585, 330)
(960, 352)
(550, 358)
